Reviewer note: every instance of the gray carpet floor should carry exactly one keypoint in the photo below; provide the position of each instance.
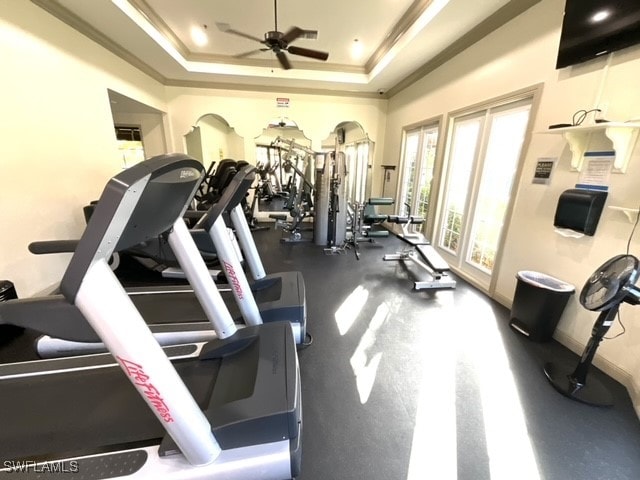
(402, 384)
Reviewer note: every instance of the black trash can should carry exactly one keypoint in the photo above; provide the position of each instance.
(8, 332)
(7, 291)
(538, 304)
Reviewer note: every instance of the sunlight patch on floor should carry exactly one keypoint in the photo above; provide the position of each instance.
(434, 449)
(509, 447)
(349, 310)
(363, 361)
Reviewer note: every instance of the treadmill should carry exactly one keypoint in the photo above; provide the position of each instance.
(175, 314)
(228, 409)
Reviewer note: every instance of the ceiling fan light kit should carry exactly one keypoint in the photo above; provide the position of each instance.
(279, 42)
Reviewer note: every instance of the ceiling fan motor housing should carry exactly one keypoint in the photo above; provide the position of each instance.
(273, 38)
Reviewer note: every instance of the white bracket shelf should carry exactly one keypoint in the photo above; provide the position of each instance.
(631, 213)
(623, 136)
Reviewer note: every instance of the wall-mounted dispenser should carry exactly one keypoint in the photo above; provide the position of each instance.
(580, 210)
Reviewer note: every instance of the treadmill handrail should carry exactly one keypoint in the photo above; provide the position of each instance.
(232, 195)
(140, 203)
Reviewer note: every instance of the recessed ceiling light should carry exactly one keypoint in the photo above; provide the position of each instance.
(357, 49)
(199, 36)
(600, 16)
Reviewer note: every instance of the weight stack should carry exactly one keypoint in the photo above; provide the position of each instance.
(321, 206)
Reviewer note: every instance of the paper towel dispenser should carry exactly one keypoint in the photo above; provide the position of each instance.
(580, 210)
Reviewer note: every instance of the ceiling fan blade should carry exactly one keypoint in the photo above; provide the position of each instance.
(249, 53)
(309, 34)
(292, 34)
(284, 61)
(306, 52)
(226, 28)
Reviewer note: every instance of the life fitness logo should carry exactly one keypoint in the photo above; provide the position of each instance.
(187, 173)
(141, 380)
(233, 279)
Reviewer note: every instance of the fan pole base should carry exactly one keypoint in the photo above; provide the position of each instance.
(592, 393)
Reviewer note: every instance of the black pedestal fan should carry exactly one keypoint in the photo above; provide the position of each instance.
(609, 286)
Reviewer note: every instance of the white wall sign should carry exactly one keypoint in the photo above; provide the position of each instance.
(282, 102)
(596, 170)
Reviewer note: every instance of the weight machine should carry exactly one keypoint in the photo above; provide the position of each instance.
(298, 159)
(330, 220)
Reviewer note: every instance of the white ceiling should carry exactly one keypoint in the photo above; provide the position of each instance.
(399, 38)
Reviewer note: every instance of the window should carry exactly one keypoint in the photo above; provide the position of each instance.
(483, 157)
(418, 161)
(129, 144)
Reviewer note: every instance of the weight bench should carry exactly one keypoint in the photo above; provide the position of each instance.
(364, 225)
(422, 254)
(372, 220)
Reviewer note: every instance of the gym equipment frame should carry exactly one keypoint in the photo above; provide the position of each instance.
(422, 254)
(251, 423)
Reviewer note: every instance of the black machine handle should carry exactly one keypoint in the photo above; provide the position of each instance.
(53, 246)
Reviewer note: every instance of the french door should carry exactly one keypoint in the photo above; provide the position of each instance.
(483, 156)
(419, 155)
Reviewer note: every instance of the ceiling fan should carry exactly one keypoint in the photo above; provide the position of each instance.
(279, 42)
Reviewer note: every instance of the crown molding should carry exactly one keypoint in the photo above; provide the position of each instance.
(502, 16)
(275, 89)
(61, 13)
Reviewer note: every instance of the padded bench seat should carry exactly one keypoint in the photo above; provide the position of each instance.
(403, 220)
(433, 258)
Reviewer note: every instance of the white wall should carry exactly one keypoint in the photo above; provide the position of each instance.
(248, 113)
(58, 144)
(518, 55)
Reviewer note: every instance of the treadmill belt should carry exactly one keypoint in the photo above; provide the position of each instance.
(183, 307)
(87, 411)
(179, 307)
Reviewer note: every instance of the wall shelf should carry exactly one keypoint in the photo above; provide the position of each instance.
(631, 213)
(623, 136)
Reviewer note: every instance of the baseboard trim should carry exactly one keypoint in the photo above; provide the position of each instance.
(502, 300)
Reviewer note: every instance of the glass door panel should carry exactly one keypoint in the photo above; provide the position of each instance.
(419, 156)
(411, 146)
(484, 153)
(427, 163)
(506, 135)
(464, 145)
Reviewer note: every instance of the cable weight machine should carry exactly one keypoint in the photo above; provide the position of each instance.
(299, 201)
(330, 223)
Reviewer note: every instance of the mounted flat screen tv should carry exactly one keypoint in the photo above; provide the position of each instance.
(591, 28)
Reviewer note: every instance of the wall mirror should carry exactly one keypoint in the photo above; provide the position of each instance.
(212, 139)
(350, 139)
(285, 163)
(139, 129)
